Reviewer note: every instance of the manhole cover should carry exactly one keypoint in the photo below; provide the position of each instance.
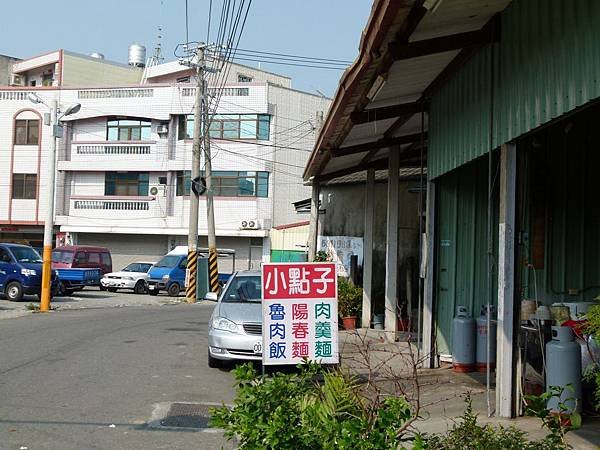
(187, 415)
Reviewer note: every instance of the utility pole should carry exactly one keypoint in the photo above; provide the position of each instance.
(213, 269)
(201, 141)
(313, 229)
(49, 222)
(199, 106)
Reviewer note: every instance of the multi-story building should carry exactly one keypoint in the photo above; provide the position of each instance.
(6, 63)
(124, 162)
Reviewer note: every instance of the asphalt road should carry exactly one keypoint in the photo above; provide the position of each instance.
(67, 377)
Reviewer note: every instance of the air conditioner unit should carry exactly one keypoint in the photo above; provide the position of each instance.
(17, 79)
(250, 224)
(158, 190)
(162, 128)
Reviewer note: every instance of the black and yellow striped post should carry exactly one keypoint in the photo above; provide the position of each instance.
(213, 270)
(192, 269)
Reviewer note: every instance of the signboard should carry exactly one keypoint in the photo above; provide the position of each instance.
(340, 249)
(300, 318)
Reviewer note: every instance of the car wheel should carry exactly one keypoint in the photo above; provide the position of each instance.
(153, 292)
(14, 291)
(112, 289)
(140, 287)
(214, 363)
(173, 290)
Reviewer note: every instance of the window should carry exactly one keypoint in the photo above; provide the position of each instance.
(24, 185)
(230, 184)
(32, 83)
(183, 80)
(106, 261)
(94, 258)
(128, 130)
(230, 126)
(162, 180)
(27, 132)
(244, 78)
(5, 256)
(126, 183)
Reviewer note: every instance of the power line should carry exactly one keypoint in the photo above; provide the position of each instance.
(296, 56)
(239, 58)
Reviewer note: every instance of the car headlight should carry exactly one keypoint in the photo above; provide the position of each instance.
(28, 272)
(223, 324)
(166, 277)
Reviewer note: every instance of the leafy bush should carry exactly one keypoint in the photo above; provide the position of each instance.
(349, 298)
(294, 411)
(593, 372)
(486, 437)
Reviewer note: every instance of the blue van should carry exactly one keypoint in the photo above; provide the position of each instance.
(20, 271)
(168, 274)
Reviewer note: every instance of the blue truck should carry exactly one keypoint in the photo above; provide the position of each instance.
(20, 271)
(168, 274)
(71, 280)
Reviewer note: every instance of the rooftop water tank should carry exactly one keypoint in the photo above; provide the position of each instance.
(137, 55)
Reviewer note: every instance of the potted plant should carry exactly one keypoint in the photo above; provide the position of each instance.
(349, 302)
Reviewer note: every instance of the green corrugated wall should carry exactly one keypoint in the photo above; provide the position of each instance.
(546, 64)
(461, 246)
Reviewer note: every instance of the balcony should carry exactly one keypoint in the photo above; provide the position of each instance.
(118, 155)
(112, 209)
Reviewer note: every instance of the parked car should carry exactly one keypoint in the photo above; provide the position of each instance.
(82, 257)
(168, 274)
(134, 276)
(20, 271)
(235, 327)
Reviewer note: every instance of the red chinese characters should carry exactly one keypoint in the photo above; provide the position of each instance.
(299, 281)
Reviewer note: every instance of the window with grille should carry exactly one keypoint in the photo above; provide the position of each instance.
(126, 183)
(24, 186)
(229, 183)
(27, 132)
(128, 130)
(230, 126)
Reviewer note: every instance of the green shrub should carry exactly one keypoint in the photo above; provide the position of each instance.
(349, 298)
(593, 372)
(294, 411)
(467, 433)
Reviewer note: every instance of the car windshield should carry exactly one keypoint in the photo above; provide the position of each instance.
(62, 256)
(243, 289)
(26, 255)
(168, 261)
(137, 267)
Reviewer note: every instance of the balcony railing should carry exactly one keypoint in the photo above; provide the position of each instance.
(226, 92)
(112, 205)
(115, 93)
(112, 149)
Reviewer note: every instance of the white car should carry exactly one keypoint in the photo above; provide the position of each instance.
(134, 276)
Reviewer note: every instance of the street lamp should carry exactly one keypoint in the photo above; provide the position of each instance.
(49, 222)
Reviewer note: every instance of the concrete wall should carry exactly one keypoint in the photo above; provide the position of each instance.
(293, 134)
(344, 216)
(6, 63)
(79, 70)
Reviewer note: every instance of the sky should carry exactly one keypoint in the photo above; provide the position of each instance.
(315, 28)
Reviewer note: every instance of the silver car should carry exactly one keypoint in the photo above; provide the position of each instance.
(235, 328)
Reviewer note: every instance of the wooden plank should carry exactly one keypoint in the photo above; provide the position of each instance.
(368, 249)
(385, 112)
(379, 144)
(428, 342)
(391, 248)
(407, 50)
(505, 392)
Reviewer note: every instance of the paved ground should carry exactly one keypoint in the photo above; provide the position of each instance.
(66, 378)
(86, 299)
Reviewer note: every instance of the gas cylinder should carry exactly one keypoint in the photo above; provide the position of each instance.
(463, 341)
(563, 367)
(482, 339)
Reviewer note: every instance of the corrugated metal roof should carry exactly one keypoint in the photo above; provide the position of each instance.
(406, 79)
(546, 64)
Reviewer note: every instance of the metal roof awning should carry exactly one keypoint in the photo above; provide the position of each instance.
(407, 51)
